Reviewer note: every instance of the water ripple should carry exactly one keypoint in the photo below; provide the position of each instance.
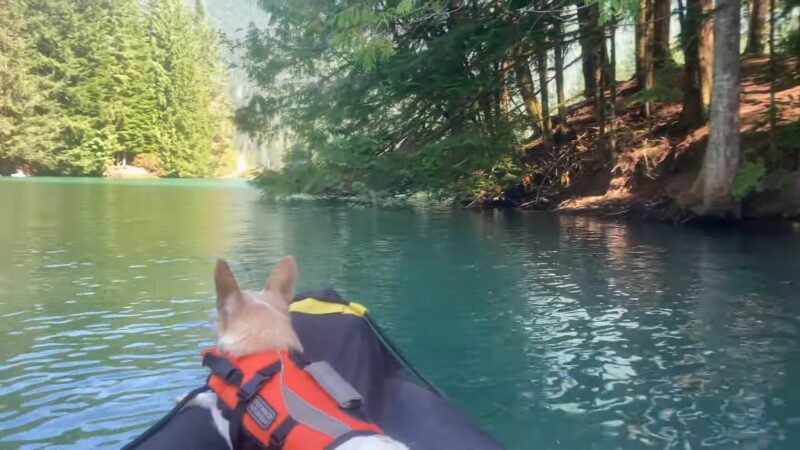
(568, 332)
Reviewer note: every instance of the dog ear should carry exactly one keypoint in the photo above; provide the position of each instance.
(225, 283)
(283, 278)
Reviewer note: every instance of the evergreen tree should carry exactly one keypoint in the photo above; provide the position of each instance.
(49, 72)
(188, 84)
(135, 114)
(87, 83)
(12, 89)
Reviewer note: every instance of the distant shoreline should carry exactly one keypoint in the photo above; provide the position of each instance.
(126, 173)
(68, 178)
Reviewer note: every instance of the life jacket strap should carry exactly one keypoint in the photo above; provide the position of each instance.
(223, 368)
(278, 437)
(236, 427)
(245, 395)
(298, 358)
(249, 390)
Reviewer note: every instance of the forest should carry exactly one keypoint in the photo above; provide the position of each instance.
(466, 100)
(89, 85)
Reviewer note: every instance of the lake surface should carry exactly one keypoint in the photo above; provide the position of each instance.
(550, 331)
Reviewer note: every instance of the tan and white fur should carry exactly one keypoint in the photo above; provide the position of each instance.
(257, 321)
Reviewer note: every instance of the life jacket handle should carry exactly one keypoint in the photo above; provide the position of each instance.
(223, 368)
(249, 390)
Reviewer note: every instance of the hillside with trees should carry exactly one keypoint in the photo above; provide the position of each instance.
(92, 84)
(466, 99)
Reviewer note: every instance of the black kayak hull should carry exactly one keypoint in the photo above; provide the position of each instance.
(396, 396)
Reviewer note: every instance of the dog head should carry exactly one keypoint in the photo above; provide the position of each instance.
(255, 321)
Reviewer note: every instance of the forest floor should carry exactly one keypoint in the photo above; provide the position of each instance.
(657, 161)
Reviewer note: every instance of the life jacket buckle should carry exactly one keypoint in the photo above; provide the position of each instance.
(249, 390)
(276, 442)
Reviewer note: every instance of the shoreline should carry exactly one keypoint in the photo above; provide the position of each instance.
(631, 208)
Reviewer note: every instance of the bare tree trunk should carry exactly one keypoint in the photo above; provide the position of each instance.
(641, 40)
(486, 110)
(541, 66)
(587, 29)
(662, 15)
(692, 104)
(706, 37)
(505, 96)
(722, 154)
(526, 90)
(460, 66)
(560, 50)
(612, 69)
(648, 77)
(773, 73)
(756, 27)
(600, 98)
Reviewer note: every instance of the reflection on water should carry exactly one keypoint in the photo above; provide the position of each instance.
(566, 332)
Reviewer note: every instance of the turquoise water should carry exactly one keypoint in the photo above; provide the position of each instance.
(550, 331)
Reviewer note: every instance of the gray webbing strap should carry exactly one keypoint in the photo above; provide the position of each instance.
(337, 387)
(307, 414)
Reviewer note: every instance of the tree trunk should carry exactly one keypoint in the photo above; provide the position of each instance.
(662, 15)
(692, 104)
(648, 77)
(525, 82)
(612, 75)
(487, 111)
(541, 67)
(587, 30)
(722, 154)
(505, 97)
(460, 66)
(560, 50)
(641, 40)
(773, 73)
(491, 110)
(600, 99)
(756, 29)
(706, 38)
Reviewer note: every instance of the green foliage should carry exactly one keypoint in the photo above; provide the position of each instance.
(769, 168)
(402, 96)
(387, 98)
(404, 7)
(12, 88)
(87, 82)
(749, 179)
(791, 43)
(302, 179)
(494, 183)
(615, 9)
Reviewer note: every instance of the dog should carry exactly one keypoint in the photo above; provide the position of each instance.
(252, 322)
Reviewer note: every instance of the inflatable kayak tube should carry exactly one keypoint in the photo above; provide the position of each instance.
(396, 396)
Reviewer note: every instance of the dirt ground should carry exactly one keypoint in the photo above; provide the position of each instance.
(656, 161)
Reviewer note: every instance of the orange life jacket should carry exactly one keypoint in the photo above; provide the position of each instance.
(262, 392)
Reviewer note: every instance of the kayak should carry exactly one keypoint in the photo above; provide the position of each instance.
(394, 395)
